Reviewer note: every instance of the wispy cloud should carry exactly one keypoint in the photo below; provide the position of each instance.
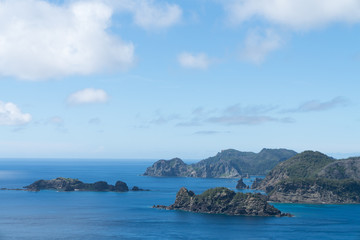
(241, 120)
(235, 115)
(209, 132)
(162, 119)
(55, 120)
(196, 61)
(95, 121)
(88, 95)
(316, 105)
(259, 43)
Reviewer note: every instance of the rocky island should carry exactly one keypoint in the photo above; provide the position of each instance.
(70, 184)
(313, 177)
(241, 185)
(223, 201)
(226, 164)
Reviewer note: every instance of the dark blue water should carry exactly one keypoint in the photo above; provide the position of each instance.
(109, 215)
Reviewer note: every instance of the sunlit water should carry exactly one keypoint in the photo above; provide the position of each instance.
(110, 215)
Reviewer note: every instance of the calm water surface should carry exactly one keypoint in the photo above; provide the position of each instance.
(109, 215)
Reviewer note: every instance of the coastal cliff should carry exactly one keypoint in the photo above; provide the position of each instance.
(226, 164)
(313, 177)
(223, 201)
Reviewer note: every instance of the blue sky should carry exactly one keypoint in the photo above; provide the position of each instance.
(160, 79)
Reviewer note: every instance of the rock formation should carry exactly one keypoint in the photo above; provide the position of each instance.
(241, 185)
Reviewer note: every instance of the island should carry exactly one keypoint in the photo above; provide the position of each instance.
(313, 177)
(228, 163)
(241, 185)
(222, 200)
(71, 184)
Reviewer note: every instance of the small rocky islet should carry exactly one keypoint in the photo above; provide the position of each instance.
(222, 200)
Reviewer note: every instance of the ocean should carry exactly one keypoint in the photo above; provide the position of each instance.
(129, 215)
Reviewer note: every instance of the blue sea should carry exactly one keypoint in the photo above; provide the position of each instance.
(110, 215)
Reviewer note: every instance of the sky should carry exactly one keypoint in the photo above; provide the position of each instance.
(157, 79)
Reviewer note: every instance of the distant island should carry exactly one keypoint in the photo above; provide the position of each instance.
(223, 201)
(229, 163)
(71, 184)
(313, 177)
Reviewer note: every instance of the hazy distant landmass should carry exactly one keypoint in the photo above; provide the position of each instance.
(223, 201)
(313, 177)
(229, 163)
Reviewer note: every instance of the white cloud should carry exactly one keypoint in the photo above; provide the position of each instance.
(10, 114)
(88, 95)
(286, 16)
(40, 40)
(198, 61)
(295, 14)
(148, 14)
(259, 44)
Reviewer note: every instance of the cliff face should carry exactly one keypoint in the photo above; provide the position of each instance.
(316, 191)
(223, 201)
(312, 177)
(69, 184)
(226, 164)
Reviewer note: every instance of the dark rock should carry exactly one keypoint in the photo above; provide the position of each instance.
(223, 201)
(136, 188)
(121, 187)
(241, 185)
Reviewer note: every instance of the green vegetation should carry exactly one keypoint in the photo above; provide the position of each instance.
(305, 165)
(313, 177)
